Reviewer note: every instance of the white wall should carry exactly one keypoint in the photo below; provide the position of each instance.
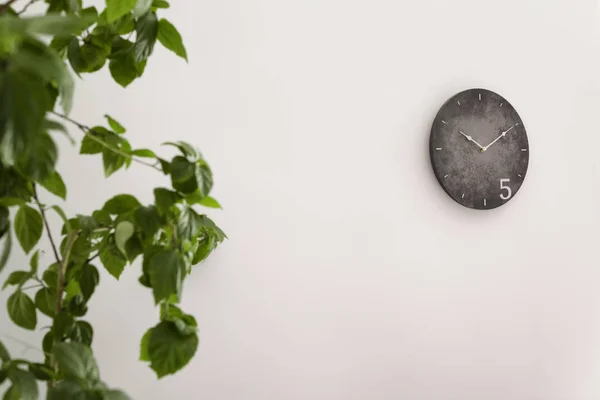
(349, 273)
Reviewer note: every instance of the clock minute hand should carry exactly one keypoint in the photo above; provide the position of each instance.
(499, 137)
(470, 139)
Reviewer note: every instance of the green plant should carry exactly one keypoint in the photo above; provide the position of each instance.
(169, 236)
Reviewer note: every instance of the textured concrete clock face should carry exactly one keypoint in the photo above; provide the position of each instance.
(479, 149)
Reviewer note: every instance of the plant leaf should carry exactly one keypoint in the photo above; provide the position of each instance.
(116, 155)
(186, 324)
(181, 169)
(90, 146)
(76, 360)
(4, 354)
(123, 232)
(141, 8)
(170, 351)
(115, 395)
(34, 262)
(21, 310)
(50, 275)
(63, 216)
(112, 258)
(63, 323)
(170, 37)
(121, 204)
(5, 213)
(17, 278)
(8, 202)
(68, 390)
(209, 202)
(25, 384)
(204, 177)
(28, 227)
(211, 228)
(148, 219)
(41, 372)
(165, 199)
(45, 300)
(12, 394)
(167, 269)
(205, 247)
(38, 161)
(55, 185)
(87, 57)
(58, 25)
(29, 100)
(115, 9)
(124, 69)
(144, 153)
(43, 61)
(88, 280)
(144, 356)
(188, 224)
(147, 32)
(160, 4)
(6, 251)
(86, 224)
(82, 333)
(72, 290)
(112, 162)
(114, 125)
(186, 149)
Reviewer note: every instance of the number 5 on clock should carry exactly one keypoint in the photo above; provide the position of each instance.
(505, 187)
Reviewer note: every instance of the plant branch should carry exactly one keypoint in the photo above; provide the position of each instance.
(26, 6)
(60, 286)
(48, 231)
(32, 287)
(88, 132)
(5, 6)
(89, 260)
(24, 344)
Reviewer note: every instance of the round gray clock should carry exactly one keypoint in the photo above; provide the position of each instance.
(479, 149)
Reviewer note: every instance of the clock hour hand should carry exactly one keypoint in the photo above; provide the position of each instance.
(470, 139)
(499, 137)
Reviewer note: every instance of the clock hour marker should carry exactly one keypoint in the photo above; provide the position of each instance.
(479, 96)
(444, 122)
(458, 103)
(501, 104)
(517, 124)
(438, 148)
(523, 149)
(485, 202)
(520, 176)
(446, 176)
(463, 196)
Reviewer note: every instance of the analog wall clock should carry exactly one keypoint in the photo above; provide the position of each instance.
(479, 149)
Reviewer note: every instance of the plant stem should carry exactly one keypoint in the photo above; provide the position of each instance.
(60, 286)
(48, 231)
(87, 131)
(5, 6)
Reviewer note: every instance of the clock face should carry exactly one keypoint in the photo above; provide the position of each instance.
(479, 149)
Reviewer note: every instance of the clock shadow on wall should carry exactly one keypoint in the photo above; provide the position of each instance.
(479, 149)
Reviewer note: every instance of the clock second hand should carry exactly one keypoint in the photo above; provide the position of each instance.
(499, 137)
(471, 140)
